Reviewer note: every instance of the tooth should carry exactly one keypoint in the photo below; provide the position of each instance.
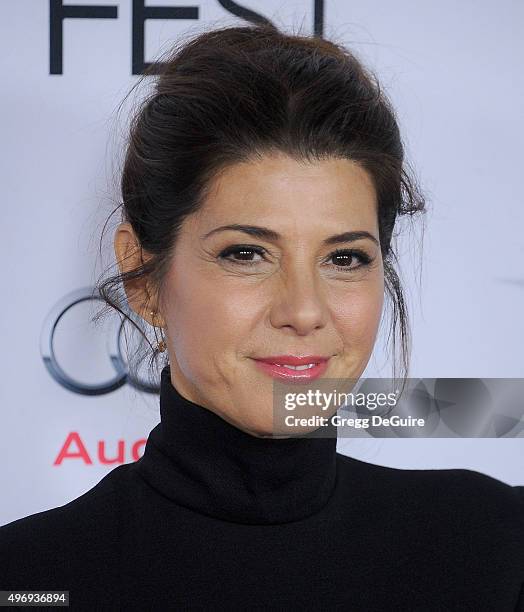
(300, 367)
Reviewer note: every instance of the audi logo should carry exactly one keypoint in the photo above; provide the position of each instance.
(121, 377)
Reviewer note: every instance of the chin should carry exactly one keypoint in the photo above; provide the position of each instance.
(260, 428)
(258, 421)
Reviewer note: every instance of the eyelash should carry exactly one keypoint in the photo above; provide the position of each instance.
(365, 259)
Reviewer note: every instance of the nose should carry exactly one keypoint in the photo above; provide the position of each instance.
(298, 304)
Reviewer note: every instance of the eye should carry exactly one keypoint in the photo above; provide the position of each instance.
(241, 254)
(343, 258)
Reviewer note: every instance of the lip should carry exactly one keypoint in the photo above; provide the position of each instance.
(275, 366)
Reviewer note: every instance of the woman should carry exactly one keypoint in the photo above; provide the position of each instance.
(261, 186)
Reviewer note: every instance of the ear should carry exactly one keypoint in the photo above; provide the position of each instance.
(129, 255)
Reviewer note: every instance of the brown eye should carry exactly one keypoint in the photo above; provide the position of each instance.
(241, 254)
(344, 258)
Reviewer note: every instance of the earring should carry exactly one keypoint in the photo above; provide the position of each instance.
(161, 346)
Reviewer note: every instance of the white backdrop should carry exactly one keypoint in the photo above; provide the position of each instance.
(453, 70)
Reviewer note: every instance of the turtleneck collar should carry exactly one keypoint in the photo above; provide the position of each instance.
(201, 461)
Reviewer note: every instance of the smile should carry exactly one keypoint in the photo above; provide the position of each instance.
(293, 369)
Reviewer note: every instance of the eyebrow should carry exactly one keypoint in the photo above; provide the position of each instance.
(268, 234)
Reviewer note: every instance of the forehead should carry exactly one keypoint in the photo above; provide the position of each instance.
(277, 187)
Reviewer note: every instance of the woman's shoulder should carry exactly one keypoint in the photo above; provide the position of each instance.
(100, 495)
(472, 497)
(56, 537)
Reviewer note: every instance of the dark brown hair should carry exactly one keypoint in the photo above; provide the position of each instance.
(235, 93)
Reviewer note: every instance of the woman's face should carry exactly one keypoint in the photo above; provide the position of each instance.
(233, 296)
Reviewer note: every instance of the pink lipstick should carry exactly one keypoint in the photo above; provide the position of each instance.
(293, 369)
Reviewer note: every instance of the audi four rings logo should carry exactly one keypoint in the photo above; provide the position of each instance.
(121, 377)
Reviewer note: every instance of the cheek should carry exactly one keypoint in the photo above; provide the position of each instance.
(357, 316)
(208, 325)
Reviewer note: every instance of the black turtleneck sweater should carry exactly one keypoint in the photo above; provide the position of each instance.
(212, 518)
